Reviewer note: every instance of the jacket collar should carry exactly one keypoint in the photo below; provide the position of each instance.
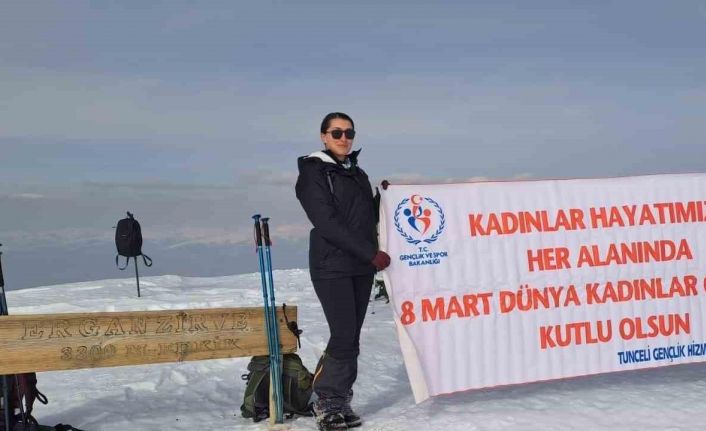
(323, 156)
(327, 157)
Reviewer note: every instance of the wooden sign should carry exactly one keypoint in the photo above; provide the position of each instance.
(90, 340)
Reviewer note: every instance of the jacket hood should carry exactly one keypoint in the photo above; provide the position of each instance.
(325, 157)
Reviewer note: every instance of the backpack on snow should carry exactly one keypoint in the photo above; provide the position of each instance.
(296, 388)
(381, 291)
(21, 418)
(27, 383)
(128, 241)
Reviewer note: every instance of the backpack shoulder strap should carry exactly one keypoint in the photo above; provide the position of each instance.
(127, 262)
(146, 258)
(292, 326)
(42, 398)
(63, 427)
(248, 408)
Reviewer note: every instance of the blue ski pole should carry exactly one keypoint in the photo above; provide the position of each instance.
(277, 364)
(271, 343)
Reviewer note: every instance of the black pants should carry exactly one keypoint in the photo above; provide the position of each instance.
(345, 302)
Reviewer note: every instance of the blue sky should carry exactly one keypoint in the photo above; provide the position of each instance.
(192, 114)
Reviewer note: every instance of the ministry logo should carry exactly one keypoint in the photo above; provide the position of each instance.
(419, 219)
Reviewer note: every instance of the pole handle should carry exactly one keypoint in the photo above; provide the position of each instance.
(258, 231)
(266, 231)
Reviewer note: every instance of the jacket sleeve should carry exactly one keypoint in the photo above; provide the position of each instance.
(317, 200)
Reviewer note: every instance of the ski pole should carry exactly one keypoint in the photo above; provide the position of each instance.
(277, 364)
(25, 419)
(261, 264)
(268, 316)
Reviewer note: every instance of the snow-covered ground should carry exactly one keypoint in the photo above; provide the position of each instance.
(206, 395)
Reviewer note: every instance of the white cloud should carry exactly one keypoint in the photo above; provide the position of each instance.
(29, 196)
(156, 186)
(269, 177)
(414, 179)
(38, 103)
(55, 237)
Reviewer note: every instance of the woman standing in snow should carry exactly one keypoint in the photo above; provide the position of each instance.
(343, 257)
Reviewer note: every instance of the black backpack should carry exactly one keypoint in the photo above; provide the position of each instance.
(381, 291)
(296, 388)
(24, 386)
(128, 241)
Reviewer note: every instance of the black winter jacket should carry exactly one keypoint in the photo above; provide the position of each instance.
(339, 203)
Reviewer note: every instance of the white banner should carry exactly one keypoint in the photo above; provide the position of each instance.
(501, 283)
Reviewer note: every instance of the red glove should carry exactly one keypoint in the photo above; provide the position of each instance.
(381, 260)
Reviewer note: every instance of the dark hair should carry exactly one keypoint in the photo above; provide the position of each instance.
(333, 115)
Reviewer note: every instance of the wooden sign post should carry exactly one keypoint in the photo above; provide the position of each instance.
(90, 340)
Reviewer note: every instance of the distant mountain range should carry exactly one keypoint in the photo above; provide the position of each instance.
(50, 265)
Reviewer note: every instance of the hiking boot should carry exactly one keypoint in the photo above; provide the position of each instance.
(352, 419)
(331, 421)
(328, 415)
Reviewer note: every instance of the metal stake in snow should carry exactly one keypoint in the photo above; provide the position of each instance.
(3, 300)
(137, 277)
(5, 382)
(276, 399)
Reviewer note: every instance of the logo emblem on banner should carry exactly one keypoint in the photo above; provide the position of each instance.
(419, 219)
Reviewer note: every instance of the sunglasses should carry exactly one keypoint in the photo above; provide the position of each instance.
(338, 133)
